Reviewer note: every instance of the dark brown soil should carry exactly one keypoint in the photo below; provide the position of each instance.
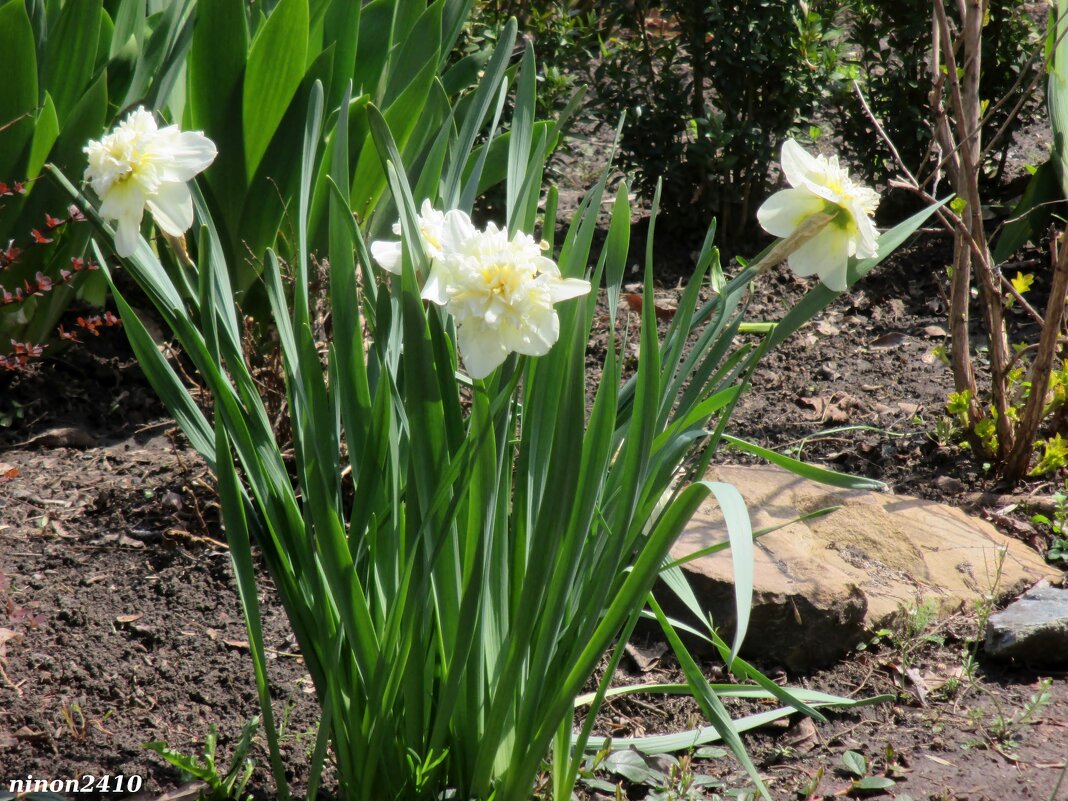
(121, 597)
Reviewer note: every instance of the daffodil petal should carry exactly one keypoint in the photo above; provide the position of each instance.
(124, 199)
(538, 338)
(187, 153)
(868, 237)
(567, 288)
(388, 255)
(436, 287)
(481, 348)
(457, 231)
(784, 211)
(825, 255)
(128, 234)
(172, 208)
(797, 163)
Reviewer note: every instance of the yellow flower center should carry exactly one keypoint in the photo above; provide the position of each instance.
(503, 280)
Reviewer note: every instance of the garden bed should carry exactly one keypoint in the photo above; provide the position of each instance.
(109, 537)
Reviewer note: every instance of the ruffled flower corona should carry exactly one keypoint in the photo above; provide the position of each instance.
(818, 185)
(500, 290)
(139, 165)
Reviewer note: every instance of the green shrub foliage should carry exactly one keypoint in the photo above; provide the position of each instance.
(889, 55)
(710, 90)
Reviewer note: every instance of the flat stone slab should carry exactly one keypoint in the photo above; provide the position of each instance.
(821, 585)
(1032, 629)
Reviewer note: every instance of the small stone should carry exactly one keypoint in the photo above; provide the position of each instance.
(949, 485)
(1032, 629)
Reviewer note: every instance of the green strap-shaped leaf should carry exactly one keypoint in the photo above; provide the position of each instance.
(412, 54)
(369, 180)
(18, 90)
(72, 47)
(276, 64)
(1057, 93)
(216, 67)
(1030, 218)
(805, 470)
(45, 133)
(707, 699)
(85, 122)
(342, 29)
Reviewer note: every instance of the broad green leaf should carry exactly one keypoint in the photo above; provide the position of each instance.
(465, 72)
(264, 222)
(342, 28)
(276, 63)
(376, 25)
(84, 123)
(158, 59)
(412, 54)
(369, 180)
(72, 45)
(631, 766)
(1030, 218)
(18, 90)
(45, 133)
(107, 32)
(872, 784)
(129, 26)
(216, 67)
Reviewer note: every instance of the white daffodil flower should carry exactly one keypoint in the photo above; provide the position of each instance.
(139, 165)
(431, 222)
(819, 184)
(501, 293)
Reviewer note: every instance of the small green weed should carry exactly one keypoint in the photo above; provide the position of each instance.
(1058, 549)
(1002, 729)
(228, 786)
(857, 767)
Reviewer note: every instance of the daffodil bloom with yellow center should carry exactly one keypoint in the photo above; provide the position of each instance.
(430, 222)
(501, 291)
(139, 165)
(820, 185)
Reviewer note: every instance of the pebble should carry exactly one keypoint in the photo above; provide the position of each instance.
(1032, 629)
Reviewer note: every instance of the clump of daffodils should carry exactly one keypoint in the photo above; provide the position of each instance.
(500, 290)
(820, 186)
(139, 165)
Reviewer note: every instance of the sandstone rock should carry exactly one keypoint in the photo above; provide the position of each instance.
(1032, 629)
(820, 586)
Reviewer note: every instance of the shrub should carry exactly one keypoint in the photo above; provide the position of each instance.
(889, 56)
